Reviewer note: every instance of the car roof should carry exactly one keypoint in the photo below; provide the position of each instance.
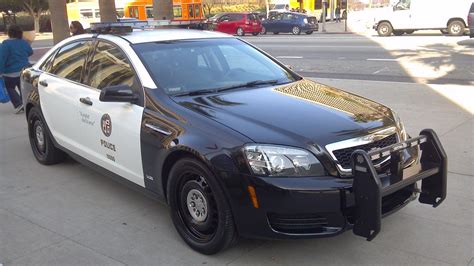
(158, 35)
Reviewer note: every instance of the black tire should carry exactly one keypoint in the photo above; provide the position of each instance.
(255, 33)
(275, 32)
(384, 29)
(444, 31)
(240, 31)
(309, 32)
(296, 30)
(344, 15)
(456, 28)
(398, 32)
(41, 141)
(190, 182)
(263, 31)
(409, 31)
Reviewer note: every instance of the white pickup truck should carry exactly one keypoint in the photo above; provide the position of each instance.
(408, 16)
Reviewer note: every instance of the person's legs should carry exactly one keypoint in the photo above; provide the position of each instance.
(11, 84)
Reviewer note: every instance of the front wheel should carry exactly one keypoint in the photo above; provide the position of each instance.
(384, 29)
(296, 30)
(254, 33)
(41, 141)
(199, 209)
(456, 28)
(263, 31)
(240, 32)
(409, 31)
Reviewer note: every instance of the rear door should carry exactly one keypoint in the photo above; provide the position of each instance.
(113, 141)
(60, 91)
(287, 22)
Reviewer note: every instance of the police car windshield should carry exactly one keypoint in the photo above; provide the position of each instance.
(186, 66)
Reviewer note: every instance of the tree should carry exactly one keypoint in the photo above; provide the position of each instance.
(33, 7)
(108, 13)
(59, 22)
(163, 9)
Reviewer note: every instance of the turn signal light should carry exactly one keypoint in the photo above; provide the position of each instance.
(253, 196)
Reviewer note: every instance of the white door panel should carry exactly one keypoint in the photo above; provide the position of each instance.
(120, 152)
(59, 102)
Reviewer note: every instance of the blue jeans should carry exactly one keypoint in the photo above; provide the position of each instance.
(11, 84)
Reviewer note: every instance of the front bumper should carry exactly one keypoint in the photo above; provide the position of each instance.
(308, 207)
(310, 27)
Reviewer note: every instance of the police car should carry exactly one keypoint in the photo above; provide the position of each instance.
(235, 142)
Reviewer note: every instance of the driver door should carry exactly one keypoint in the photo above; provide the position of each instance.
(113, 142)
(402, 15)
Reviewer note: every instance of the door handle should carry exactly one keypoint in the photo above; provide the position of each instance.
(85, 100)
(158, 129)
(43, 83)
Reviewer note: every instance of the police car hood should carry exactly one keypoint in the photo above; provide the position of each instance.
(300, 113)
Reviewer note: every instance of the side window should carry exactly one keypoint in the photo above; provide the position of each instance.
(287, 16)
(69, 61)
(110, 67)
(46, 66)
(224, 18)
(403, 5)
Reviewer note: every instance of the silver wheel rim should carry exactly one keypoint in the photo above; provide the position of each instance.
(295, 30)
(456, 28)
(240, 31)
(39, 136)
(197, 205)
(384, 29)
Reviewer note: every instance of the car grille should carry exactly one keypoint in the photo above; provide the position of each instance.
(343, 156)
(297, 224)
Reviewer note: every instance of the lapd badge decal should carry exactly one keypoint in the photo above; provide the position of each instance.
(106, 124)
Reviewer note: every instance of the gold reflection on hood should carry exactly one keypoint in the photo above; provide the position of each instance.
(361, 109)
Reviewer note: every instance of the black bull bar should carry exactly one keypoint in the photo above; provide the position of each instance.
(368, 190)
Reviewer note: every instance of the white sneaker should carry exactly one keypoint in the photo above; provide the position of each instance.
(19, 109)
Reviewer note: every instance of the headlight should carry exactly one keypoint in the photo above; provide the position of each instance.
(400, 126)
(269, 160)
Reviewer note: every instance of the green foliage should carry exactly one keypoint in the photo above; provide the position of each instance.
(23, 5)
(26, 23)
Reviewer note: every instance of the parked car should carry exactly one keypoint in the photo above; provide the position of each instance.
(470, 21)
(408, 16)
(290, 22)
(236, 23)
(233, 141)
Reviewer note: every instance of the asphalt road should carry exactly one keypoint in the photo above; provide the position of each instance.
(418, 58)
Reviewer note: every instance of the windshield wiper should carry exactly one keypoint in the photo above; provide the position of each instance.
(243, 85)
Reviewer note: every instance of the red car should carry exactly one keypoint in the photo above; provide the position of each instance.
(236, 23)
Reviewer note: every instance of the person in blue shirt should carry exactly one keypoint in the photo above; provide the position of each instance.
(14, 53)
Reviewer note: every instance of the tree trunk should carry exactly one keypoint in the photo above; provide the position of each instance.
(108, 13)
(37, 22)
(59, 22)
(163, 9)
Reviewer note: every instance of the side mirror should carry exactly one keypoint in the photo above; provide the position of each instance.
(118, 93)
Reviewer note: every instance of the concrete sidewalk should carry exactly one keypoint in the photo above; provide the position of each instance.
(67, 214)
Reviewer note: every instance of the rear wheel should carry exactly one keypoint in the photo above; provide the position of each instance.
(309, 32)
(456, 28)
(41, 141)
(263, 31)
(199, 209)
(275, 32)
(409, 31)
(296, 30)
(444, 31)
(398, 32)
(384, 29)
(254, 33)
(240, 32)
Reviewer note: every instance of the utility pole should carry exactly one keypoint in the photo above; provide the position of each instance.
(325, 2)
(59, 22)
(108, 13)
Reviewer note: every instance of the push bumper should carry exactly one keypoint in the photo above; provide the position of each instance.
(310, 207)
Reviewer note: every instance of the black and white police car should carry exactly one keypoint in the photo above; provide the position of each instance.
(236, 143)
